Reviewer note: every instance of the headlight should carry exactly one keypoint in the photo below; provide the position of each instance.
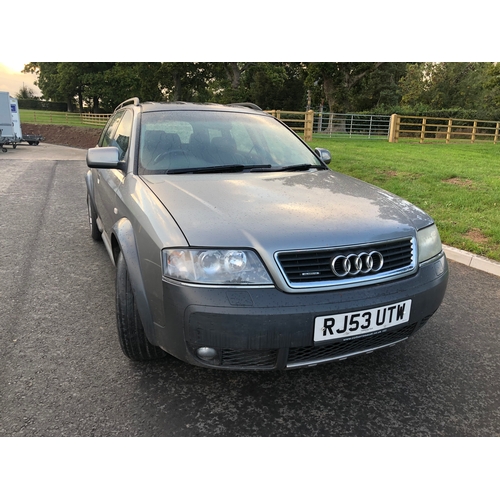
(214, 266)
(429, 243)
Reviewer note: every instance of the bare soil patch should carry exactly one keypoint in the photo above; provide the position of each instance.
(457, 181)
(64, 135)
(391, 173)
(476, 236)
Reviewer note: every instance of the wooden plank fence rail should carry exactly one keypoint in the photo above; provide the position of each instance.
(425, 128)
(61, 118)
(299, 121)
(95, 119)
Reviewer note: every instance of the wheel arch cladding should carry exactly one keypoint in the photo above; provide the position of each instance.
(125, 236)
(88, 182)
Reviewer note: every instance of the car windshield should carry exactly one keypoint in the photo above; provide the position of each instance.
(217, 141)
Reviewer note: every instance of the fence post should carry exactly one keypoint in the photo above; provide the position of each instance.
(474, 130)
(448, 131)
(497, 129)
(394, 128)
(422, 131)
(308, 126)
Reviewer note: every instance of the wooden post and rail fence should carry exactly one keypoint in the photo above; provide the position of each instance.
(421, 128)
(394, 127)
(300, 121)
(312, 124)
(425, 128)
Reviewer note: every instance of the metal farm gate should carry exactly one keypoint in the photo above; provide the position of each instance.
(351, 125)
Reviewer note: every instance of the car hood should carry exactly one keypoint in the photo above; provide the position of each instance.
(272, 211)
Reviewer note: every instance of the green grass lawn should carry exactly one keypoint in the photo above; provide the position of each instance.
(457, 184)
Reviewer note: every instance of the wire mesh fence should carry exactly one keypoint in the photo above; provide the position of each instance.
(351, 125)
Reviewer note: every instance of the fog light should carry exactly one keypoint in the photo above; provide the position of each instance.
(206, 353)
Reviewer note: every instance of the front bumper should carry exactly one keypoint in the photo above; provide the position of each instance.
(268, 329)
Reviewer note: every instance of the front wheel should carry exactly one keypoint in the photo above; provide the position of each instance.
(131, 334)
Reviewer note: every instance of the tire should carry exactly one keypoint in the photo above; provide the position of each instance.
(131, 334)
(94, 230)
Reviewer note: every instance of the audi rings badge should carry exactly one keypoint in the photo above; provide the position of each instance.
(354, 264)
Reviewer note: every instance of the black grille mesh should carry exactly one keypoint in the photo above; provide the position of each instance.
(299, 355)
(314, 265)
(250, 358)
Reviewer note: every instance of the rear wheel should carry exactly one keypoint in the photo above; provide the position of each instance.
(131, 334)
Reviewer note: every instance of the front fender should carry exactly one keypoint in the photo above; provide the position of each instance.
(90, 185)
(124, 234)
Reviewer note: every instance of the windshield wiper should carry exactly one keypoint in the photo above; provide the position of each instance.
(302, 166)
(216, 169)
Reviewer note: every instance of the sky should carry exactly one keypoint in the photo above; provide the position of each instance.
(11, 78)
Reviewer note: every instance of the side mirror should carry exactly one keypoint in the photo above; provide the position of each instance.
(103, 157)
(324, 155)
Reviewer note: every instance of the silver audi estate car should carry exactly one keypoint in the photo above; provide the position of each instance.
(237, 247)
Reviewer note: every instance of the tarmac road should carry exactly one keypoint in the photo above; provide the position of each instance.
(62, 372)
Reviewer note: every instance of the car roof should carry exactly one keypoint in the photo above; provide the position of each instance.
(149, 106)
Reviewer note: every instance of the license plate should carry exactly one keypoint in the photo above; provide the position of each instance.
(341, 326)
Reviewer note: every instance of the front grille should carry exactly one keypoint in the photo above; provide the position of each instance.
(306, 268)
(249, 358)
(315, 354)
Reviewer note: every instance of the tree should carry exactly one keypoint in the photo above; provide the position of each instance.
(25, 93)
(446, 85)
(65, 81)
(379, 88)
(97, 86)
(187, 81)
(276, 85)
(492, 84)
(339, 81)
(47, 81)
(122, 81)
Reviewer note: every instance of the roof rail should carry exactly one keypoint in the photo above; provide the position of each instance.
(134, 100)
(250, 105)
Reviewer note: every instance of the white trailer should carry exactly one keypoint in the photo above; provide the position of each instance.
(6, 125)
(10, 124)
(16, 119)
